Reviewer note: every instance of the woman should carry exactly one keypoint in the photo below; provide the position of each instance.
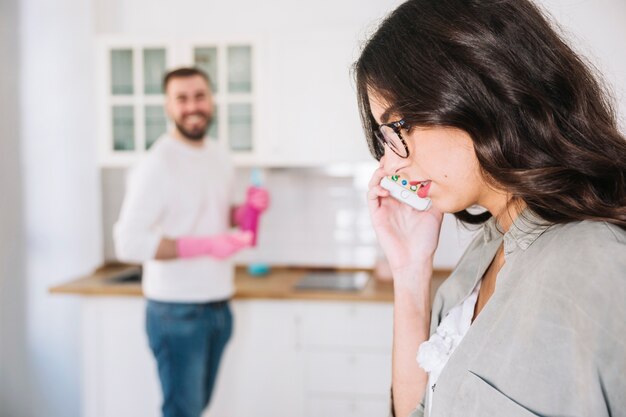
(479, 103)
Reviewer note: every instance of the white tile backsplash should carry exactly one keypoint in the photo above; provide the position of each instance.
(317, 217)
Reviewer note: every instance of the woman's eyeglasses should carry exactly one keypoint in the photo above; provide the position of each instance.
(389, 134)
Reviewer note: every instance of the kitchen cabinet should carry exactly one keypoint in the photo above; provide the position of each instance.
(347, 358)
(286, 358)
(282, 99)
(314, 116)
(130, 98)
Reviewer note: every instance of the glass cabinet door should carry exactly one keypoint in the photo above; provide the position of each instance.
(240, 126)
(123, 128)
(132, 117)
(239, 69)
(121, 71)
(215, 123)
(153, 70)
(155, 123)
(205, 58)
(132, 97)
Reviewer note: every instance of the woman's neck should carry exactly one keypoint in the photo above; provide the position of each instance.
(504, 209)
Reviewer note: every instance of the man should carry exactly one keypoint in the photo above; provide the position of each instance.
(175, 220)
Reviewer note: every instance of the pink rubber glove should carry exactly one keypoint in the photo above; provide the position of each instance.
(220, 247)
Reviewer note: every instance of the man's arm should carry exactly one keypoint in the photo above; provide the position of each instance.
(220, 246)
(166, 250)
(137, 234)
(233, 216)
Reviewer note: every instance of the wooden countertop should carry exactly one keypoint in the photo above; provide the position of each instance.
(278, 284)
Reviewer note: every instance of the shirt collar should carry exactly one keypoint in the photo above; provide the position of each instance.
(526, 228)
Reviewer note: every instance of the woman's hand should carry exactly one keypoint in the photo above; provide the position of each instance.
(407, 237)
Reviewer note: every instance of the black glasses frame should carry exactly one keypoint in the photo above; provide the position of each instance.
(396, 127)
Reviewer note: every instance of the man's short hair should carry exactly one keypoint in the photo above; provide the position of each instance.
(184, 72)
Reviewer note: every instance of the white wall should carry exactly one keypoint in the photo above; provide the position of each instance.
(61, 196)
(190, 17)
(597, 29)
(13, 362)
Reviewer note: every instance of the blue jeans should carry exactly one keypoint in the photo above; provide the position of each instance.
(187, 340)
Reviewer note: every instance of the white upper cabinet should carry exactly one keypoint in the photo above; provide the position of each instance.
(130, 95)
(282, 100)
(130, 98)
(313, 106)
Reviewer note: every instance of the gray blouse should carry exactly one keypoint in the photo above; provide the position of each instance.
(551, 341)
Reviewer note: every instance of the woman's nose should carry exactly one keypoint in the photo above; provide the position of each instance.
(391, 162)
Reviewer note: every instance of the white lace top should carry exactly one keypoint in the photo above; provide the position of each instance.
(434, 353)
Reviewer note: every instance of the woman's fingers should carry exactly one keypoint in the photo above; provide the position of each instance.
(374, 194)
(377, 176)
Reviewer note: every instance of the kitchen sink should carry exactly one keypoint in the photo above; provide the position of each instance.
(128, 275)
(333, 281)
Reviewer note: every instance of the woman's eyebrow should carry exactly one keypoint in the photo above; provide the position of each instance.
(384, 118)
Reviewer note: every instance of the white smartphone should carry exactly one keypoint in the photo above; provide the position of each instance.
(401, 190)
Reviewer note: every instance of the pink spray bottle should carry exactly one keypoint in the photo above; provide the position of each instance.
(249, 220)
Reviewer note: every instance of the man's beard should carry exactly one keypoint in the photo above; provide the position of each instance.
(197, 133)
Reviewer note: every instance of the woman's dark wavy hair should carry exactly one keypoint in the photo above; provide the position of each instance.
(542, 126)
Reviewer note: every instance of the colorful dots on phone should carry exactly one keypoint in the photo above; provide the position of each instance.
(404, 183)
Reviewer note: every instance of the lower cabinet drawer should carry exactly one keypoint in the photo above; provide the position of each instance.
(348, 372)
(349, 406)
(346, 325)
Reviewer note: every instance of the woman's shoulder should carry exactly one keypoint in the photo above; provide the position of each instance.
(593, 229)
(596, 243)
(579, 267)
